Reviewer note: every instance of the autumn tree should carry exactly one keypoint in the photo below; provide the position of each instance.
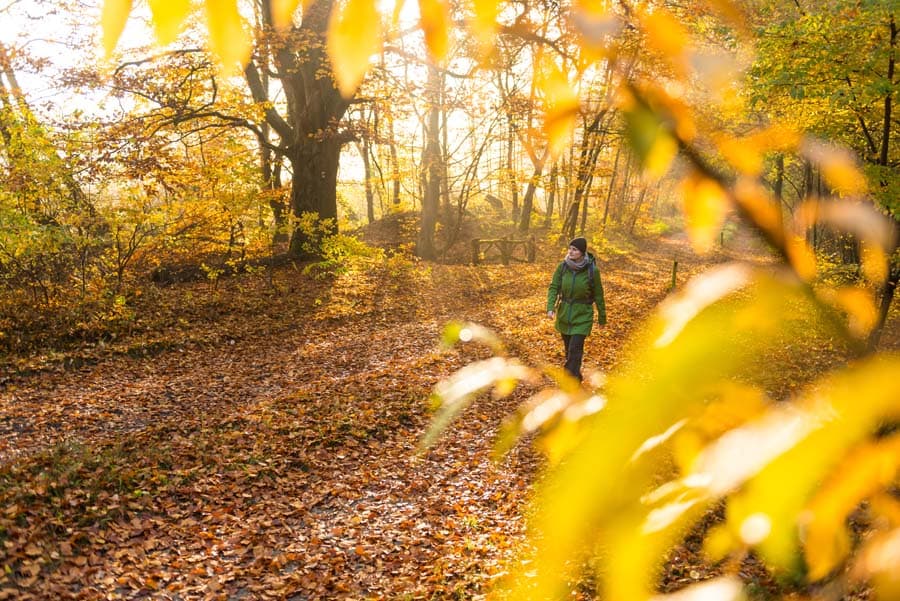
(834, 67)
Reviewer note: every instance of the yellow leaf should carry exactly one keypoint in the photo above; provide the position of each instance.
(778, 137)
(398, 10)
(878, 561)
(886, 509)
(801, 256)
(838, 167)
(283, 12)
(705, 207)
(733, 14)
(719, 542)
(860, 218)
(227, 36)
(354, 35)
(834, 416)
(665, 34)
(168, 15)
(561, 105)
(859, 306)
(660, 156)
(874, 263)
(459, 331)
(734, 405)
(760, 205)
(435, 20)
(455, 393)
(484, 23)
(701, 292)
(649, 134)
(597, 25)
(743, 155)
(504, 387)
(112, 20)
(868, 469)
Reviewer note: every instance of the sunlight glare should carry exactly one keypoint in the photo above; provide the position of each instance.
(697, 295)
(755, 528)
(725, 588)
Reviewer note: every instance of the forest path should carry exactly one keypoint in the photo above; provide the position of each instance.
(274, 455)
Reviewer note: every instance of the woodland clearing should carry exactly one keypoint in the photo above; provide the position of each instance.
(264, 445)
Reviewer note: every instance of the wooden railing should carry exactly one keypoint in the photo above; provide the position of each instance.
(508, 249)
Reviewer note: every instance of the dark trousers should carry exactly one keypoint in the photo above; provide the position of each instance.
(574, 344)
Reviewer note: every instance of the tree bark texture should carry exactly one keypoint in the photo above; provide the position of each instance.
(309, 134)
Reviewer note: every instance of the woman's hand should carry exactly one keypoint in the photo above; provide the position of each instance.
(551, 314)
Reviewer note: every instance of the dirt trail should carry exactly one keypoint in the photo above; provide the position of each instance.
(279, 461)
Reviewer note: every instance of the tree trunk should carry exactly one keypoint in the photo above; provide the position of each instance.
(778, 185)
(887, 296)
(587, 159)
(619, 205)
(431, 165)
(890, 286)
(395, 163)
(551, 198)
(612, 183)
(637, 210)
(511, 171)
(528, 200)
(309, 133)
(445, 153)
(364, 149)
(888, 98)
(314, 190)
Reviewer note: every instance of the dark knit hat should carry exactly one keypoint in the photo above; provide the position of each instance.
(580, 244)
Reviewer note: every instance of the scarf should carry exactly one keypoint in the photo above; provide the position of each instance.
(577, 266)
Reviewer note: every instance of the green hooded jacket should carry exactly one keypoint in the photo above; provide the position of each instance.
(574, 311)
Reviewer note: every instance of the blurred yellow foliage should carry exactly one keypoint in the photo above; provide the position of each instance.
(435, 24)
(561, 104)
(354, 36)
(168, 16)
(865, 471)
(705, 207)
(112, 21)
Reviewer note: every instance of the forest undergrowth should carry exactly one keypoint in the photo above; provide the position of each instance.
(261, 441)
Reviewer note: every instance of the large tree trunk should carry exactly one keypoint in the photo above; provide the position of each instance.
(309, 134)
(314, 190)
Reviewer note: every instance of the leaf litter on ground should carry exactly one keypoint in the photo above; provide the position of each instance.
(267, 447)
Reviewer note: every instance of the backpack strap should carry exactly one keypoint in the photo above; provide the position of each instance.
(591, 279)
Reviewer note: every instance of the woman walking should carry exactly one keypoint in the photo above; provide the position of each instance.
(573, 291)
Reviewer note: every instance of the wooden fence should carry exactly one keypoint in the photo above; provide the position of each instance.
(508, 249)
